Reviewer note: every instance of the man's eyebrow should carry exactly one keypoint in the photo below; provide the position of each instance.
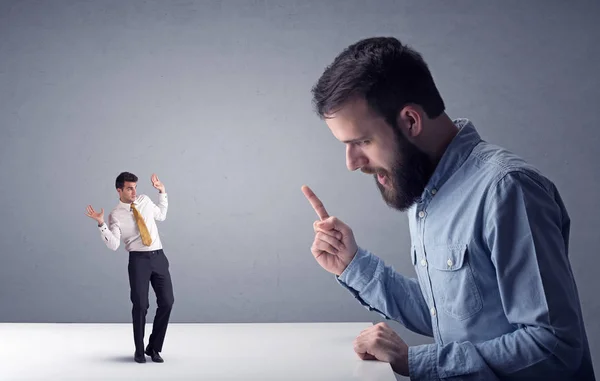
(355, 140)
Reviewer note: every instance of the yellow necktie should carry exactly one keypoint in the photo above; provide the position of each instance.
(141, 226)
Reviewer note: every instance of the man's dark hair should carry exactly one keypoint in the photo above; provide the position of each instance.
(388, 74)
(125, 176)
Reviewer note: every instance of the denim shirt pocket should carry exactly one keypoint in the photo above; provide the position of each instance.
(452, 280)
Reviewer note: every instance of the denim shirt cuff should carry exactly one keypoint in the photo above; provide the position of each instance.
(359, 271)
(422, 362)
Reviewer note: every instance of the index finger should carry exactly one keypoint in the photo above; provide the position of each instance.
(315, 202)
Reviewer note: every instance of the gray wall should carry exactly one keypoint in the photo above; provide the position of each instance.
(215, 98)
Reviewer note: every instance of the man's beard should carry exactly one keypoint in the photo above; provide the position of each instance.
(408, 176)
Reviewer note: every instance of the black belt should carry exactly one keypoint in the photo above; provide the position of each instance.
(147, 252)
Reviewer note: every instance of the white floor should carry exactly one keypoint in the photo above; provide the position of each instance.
(295, 351)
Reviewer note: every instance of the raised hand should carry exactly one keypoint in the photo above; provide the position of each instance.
(156, 183)
(98, 216)
(381, 342)
(334, 245)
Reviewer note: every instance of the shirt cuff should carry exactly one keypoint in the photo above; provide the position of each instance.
(360, 271)
(422, 362)
(103, 227)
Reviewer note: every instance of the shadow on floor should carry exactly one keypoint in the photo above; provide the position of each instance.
(120, 359)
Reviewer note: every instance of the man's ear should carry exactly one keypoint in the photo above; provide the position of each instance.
(409, 121)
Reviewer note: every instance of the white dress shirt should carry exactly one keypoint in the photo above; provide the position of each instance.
(122, 225)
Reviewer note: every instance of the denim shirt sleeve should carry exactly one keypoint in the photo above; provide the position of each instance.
(380, 288)
(526, 230)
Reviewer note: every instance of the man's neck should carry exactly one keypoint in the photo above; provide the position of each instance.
(443, 131)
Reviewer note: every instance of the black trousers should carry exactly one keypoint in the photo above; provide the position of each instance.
(150, 267)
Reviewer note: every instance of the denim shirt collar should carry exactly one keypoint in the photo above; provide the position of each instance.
(455, 155)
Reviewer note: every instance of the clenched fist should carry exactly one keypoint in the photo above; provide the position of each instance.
(334, 245)
(381, 342)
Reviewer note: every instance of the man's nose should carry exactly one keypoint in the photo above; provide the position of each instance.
(355, 159)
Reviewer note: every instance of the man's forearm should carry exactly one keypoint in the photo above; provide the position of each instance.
(378, 287)
(160, 210)
(540, 354)
(112, 238)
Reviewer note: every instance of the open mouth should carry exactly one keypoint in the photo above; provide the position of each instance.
(382, 179)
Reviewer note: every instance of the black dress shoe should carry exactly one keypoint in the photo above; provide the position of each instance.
(139, 357)
(154, 355)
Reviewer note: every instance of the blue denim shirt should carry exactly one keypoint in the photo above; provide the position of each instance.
(494, 287)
